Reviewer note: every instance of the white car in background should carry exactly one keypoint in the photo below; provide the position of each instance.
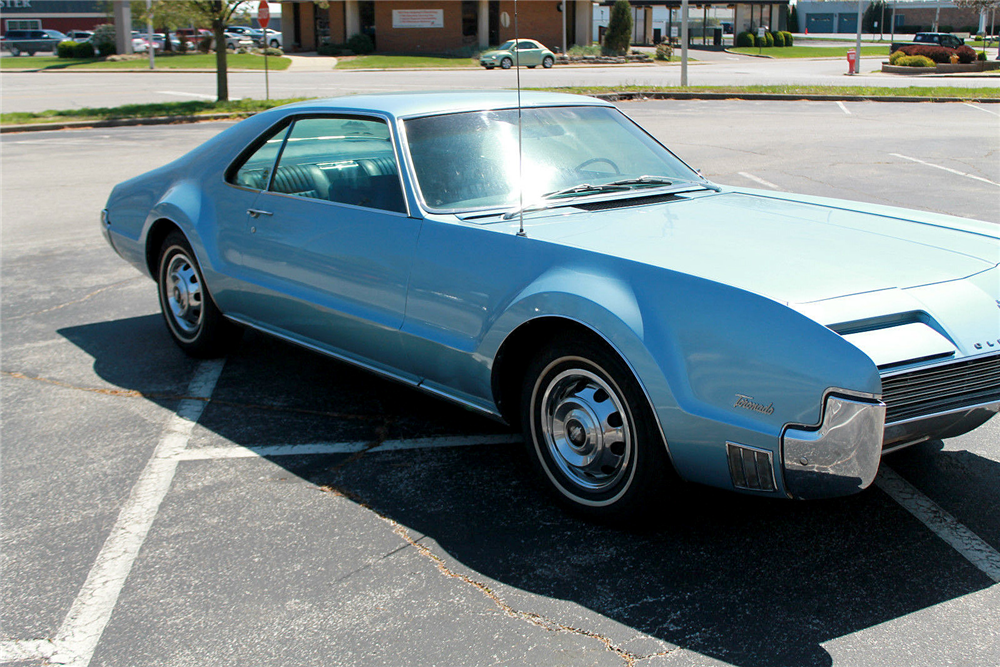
(273, 39)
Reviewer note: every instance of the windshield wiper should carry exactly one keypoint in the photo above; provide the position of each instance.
(643, 180)
(582, 188)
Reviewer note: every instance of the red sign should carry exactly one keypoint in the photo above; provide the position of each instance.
(263, 14)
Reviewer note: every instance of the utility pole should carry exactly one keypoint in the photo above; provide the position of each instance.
(684, 43)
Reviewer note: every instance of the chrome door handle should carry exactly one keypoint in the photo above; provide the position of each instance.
(256, 212)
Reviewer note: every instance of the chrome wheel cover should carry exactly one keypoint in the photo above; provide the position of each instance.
(184, 297)
(586, 430)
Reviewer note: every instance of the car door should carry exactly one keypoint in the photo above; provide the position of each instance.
(329, 243)
(529, 53)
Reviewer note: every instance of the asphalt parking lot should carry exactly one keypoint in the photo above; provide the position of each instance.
(277, 508)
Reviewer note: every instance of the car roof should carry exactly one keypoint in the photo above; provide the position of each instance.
(430, 103)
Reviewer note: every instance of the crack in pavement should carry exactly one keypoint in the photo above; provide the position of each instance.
(75, 301)
(550, 625)
(134, 393)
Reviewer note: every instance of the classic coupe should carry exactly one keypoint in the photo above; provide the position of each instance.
(552, 265)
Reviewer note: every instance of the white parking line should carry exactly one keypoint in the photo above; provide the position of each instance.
(349, 447)
(937, 166)
(25, 650)
(981, 108)
(81, 631)
(843, 108)
(944, 525)
(758, 179)
(176, 93)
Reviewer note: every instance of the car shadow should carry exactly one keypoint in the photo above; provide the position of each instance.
(750, 581)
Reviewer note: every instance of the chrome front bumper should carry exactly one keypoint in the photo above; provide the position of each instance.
(840, 456)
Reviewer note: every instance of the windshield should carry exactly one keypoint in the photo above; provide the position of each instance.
(468, 161)
(506, 46)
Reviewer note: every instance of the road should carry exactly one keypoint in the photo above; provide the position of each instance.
(143, 525)
(73, 90)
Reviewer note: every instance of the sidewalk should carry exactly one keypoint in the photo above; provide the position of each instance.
(310, 61)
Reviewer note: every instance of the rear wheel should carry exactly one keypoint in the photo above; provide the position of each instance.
(193, 319)
(590, 432)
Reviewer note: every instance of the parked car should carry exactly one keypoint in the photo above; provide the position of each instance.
(272, 38)
(255, 35)
(527, 52)
(637, 321)
(31, 41)
(80, 35)
(193, 36)
(236, 40)
(931, 39)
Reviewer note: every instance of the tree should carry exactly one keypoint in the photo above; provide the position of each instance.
(875, 13)
(167, 15)
(793, 19)
(619, 33)
(980, 6)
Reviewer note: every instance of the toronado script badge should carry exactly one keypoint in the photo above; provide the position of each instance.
(744, 401)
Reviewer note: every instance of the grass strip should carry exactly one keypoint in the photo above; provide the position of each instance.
(930, 92)
(204, 61)
(403, 61)
(243, 107)
(810, 51)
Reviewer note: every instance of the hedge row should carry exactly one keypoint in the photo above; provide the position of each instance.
(939, 54)
(778, 38)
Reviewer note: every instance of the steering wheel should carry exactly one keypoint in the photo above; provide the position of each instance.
(595, 160)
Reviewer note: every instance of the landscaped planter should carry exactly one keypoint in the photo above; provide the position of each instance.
(978, 66)
(603, 60)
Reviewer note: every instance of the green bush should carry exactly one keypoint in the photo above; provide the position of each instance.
(271, 51)
(580, 50)
(981, 55)
(768, 40)
(83, 50)
(745, 39)
(895, 56)
(664, 51)
(778, 39)
(914, 61)
(104, 40)
(619, 33)
(361, 44)
(789, 38)
(64, 49)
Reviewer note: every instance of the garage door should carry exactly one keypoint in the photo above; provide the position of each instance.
(819, 23)
(847, 22)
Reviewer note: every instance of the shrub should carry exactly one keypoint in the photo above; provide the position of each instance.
(966, 54)
(895, 57)
(789, 38)
(64, 49)
(939, 54)
(580, 50)
(981, 55)
(361, 44)
(619, 33)
(664, 51)
(271, 51)
(915, 61)
(768, 40)
(328, 49)
(745, 39)
(778, 39)
(104, 40)
(83, 50)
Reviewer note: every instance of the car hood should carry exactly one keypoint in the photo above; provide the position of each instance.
(495, 53)
(791, 249)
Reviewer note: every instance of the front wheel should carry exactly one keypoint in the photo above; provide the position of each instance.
(506, 63)
(14, 51)
(590, 432)
(193, 319)
(274, 44)
(548, 62)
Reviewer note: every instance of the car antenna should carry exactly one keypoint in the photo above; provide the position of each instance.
(520, 151)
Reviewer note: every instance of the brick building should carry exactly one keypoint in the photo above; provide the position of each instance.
(435, 26)
(52, 14)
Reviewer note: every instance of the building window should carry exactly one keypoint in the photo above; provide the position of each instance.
(23, 24)
(470, 19)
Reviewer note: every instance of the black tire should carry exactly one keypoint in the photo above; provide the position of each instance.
(531, 66)
(488, 66)
(575, 393)
(506, 63)
(14, 51)
(548, 61)
(193, 320)
(274, 44)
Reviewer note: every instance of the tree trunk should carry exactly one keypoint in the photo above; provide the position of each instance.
(167, 45)
(221, 81)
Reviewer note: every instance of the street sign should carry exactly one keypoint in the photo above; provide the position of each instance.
(263, 14)
(505, 19)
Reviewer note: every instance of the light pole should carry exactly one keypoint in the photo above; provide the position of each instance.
(149, 34)
(857, 49)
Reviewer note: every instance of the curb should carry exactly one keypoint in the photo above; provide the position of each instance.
(608, 97)
(777, 97)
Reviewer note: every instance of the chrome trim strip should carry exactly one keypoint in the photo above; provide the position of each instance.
(946, 362)
(989, 405)
(388, 375)
(838, 458)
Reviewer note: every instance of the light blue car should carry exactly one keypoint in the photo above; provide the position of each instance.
(639, 323)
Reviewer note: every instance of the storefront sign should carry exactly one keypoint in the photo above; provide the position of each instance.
(418, 18)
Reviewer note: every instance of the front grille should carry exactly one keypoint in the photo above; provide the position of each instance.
(942, 388)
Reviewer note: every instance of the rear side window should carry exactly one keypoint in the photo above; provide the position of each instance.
(347, 160)
(256, 170)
